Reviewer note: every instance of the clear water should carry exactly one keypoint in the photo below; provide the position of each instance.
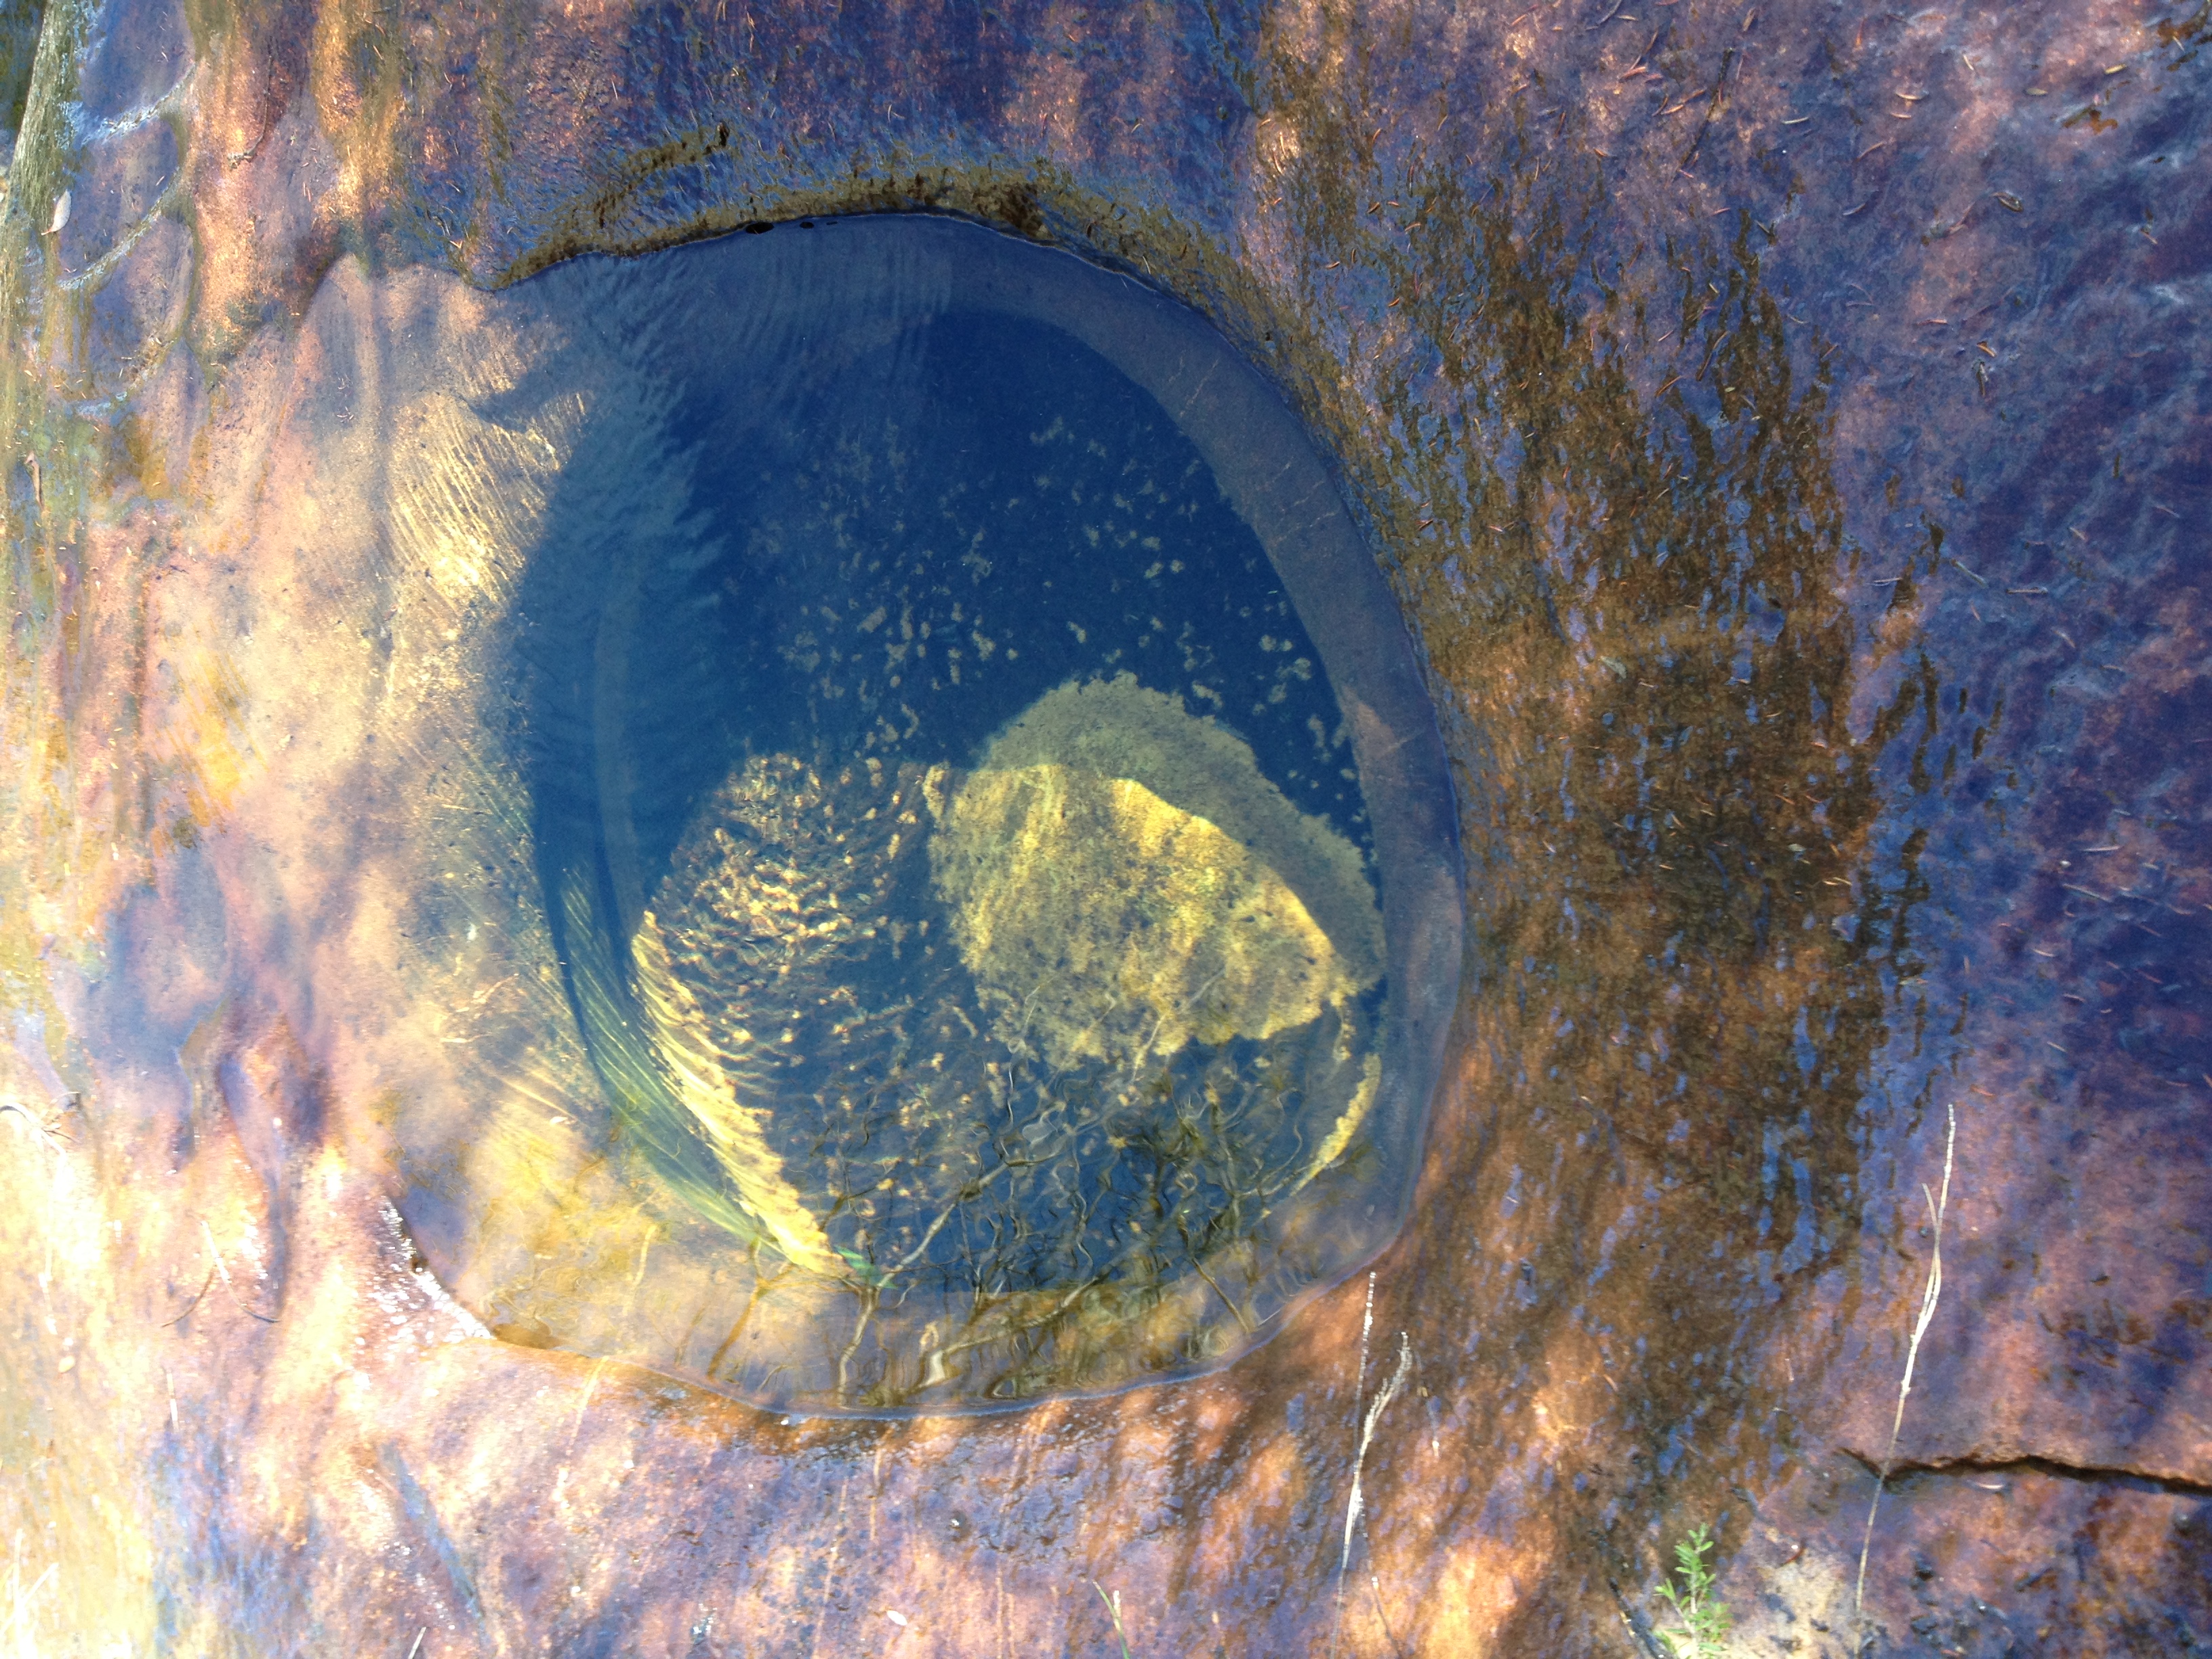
(960, 852)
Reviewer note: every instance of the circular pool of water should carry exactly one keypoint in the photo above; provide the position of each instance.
(998, 846)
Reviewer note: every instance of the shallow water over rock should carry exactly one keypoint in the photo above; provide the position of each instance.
(1783, 431)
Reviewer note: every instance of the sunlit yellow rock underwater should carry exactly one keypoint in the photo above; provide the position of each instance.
(1121, 877)
(944, 1026)
(1105, 923)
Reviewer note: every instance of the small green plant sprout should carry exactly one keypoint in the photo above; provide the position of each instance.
(1701, 1623)
(1114, 1607)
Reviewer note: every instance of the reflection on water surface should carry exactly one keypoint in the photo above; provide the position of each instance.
(956, 827)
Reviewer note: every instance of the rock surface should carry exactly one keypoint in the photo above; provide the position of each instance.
(1786, 429)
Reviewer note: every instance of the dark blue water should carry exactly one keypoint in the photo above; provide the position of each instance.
(896, 562)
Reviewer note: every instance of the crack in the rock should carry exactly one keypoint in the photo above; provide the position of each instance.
(2134, 1479)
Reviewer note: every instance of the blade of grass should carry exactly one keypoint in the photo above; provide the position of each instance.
(1114, 1612)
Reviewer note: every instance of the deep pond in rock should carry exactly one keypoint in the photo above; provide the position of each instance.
(986, 872)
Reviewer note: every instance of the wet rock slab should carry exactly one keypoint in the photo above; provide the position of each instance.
(1785, 430)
